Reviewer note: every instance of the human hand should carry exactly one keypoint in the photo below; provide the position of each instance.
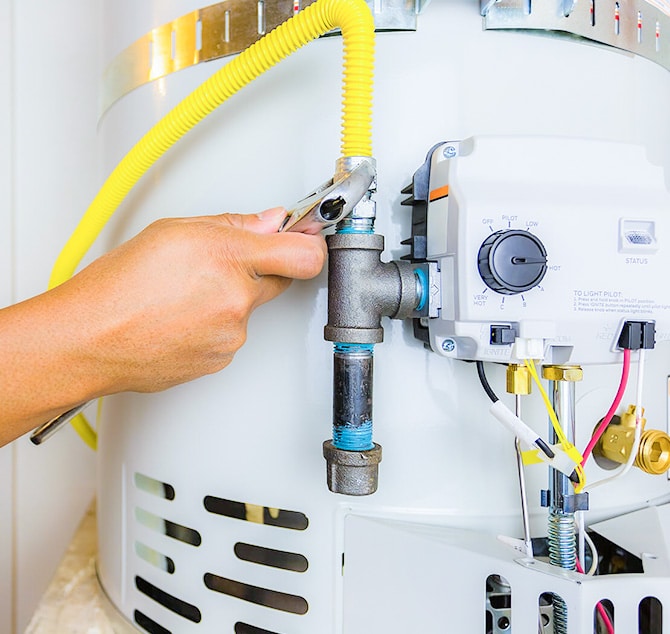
(168, 306)
(173, 303)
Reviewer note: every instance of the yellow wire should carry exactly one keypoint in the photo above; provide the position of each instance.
(354, 19)
(567, 446)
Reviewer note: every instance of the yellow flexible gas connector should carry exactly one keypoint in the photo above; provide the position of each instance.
(354, 19)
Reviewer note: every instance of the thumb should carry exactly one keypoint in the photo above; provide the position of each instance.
(293, 255)
(265, 222)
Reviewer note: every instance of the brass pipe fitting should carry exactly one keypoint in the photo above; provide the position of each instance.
(571, 373)
(519, 380)
(616, 443)
(653, 455)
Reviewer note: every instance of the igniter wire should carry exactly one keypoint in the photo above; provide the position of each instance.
(527, 540)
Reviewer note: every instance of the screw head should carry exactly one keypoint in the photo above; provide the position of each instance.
(448, 345)
(449, 151)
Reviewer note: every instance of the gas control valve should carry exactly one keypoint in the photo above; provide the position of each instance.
(542, 248)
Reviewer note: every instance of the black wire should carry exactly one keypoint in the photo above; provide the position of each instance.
(492, 395)
(484, 381)
(546, 449)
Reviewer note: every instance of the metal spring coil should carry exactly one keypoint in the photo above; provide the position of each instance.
(560, 616)
(562, 543)
(563, 553)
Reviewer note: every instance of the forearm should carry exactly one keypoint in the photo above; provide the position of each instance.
(166, 307)
(45, 368)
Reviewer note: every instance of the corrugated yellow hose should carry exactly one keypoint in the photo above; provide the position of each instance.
(353, 17)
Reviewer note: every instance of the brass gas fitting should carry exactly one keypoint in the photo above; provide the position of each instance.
(653, 455)
(616, 443)
(572, 373)
(519, 380)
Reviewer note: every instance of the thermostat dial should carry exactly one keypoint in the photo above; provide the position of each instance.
(512, 261)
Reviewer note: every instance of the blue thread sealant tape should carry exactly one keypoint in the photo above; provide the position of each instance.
(352, 414)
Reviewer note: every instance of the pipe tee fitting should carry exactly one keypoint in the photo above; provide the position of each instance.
(362, 289)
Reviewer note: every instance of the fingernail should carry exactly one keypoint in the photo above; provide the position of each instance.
(272, 214)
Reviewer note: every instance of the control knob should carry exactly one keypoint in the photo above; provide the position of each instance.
(512, 261)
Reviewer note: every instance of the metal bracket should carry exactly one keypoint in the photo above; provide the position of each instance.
(485, 6)
(566, 503)
(396, 15)
(568, 6)
(573, 503)
(434, 291)
(641, 27)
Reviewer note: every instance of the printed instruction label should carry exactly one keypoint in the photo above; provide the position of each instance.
(601, 301)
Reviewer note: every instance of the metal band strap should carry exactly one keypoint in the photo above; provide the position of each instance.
(641, 27)
(219, 30)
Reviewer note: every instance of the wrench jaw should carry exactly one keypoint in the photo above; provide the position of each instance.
(335, 199)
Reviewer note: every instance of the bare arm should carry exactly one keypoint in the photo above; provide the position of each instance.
(170, 305)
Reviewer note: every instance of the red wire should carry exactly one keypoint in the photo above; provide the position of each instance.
(625, 370)
(605, 617)
(599, 606)
(610, 413)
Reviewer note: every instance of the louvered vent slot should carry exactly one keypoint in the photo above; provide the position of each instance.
(154, 487)
(270, 557)
(161, 561)
(650, 615)
(258, 514)
(172, 603)
(243, 628)
(255, 594)
(149, 625)
(166, 527)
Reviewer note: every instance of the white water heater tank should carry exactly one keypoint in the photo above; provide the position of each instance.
(213, 509)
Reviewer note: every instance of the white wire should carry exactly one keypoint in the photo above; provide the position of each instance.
(640, 380)
(581, 539)
(594, 554)
(583, 535)
(625, 468)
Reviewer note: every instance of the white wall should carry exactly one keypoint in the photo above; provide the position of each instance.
(6, 453)
(53, 103)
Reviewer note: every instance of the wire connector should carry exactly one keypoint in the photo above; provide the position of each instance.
(563, 461)
(524, 433)
(636, 335)
(525, 348)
